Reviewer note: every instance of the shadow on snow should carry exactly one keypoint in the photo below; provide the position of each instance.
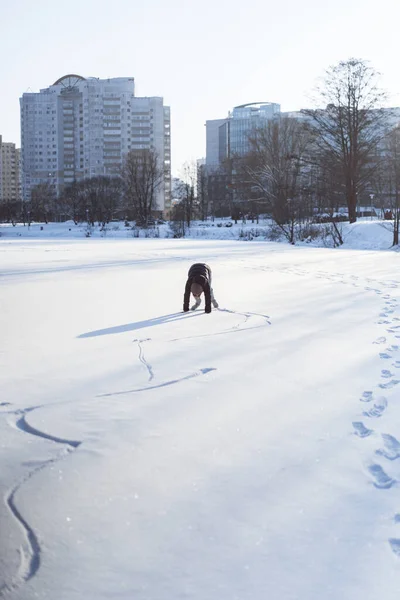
(138, 325)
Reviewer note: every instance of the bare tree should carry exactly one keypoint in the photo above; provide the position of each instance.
(105, 196)
(277, 171)
(42, 202)
(186, 190)
(327, 184)
(70, 203)
(202, 192)
(351, 125)
(10, 210)
(142, 176)
(94, 199)
(178, 220)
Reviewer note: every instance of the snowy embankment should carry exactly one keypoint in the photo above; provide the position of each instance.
(150, 454)
(364, 234)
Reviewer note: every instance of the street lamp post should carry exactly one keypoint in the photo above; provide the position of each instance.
(372, 197)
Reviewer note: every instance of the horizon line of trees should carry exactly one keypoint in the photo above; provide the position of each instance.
(130, 195)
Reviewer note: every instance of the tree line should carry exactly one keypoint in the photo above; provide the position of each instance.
(132, 195)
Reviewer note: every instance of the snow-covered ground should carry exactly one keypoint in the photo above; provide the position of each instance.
(365, 233)
(150, 454)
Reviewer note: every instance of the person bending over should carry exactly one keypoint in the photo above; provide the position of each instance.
(199, 281)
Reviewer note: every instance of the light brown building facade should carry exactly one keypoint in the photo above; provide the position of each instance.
(9, 172)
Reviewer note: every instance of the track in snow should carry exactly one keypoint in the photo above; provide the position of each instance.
(30, 554)
(387, 318)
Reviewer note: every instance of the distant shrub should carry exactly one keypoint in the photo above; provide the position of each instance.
(152, 233)
(135, 231)
(309, 232)
(177, 228)
(249, 234)
(274, 234)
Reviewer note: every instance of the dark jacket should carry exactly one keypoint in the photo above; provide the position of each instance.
(198, 273)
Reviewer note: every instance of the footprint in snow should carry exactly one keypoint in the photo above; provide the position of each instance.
(383, 322)
(395, 546)
(5, 403)
(380, 340)
(377, 409)
(361, 430)
(381, 479)
(366, 397)
(383, 315)
(392, 447)
(389, 384)
(394, 348)
(396, 364)
(384, 355)
(386, 374)
(397, 518)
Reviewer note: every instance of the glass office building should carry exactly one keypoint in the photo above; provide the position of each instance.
(244, 119)
(235, 130)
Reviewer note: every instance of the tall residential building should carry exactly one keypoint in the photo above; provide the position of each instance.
(230, 137)
(83, 127)
(9, 172)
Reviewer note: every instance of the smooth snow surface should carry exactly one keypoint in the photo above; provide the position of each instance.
(148, 454)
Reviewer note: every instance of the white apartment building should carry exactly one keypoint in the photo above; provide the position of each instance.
(9, 172)
(83, 127)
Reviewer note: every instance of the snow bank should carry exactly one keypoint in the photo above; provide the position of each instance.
(364, 234)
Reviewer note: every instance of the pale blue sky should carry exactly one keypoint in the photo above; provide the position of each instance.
(203, 57)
